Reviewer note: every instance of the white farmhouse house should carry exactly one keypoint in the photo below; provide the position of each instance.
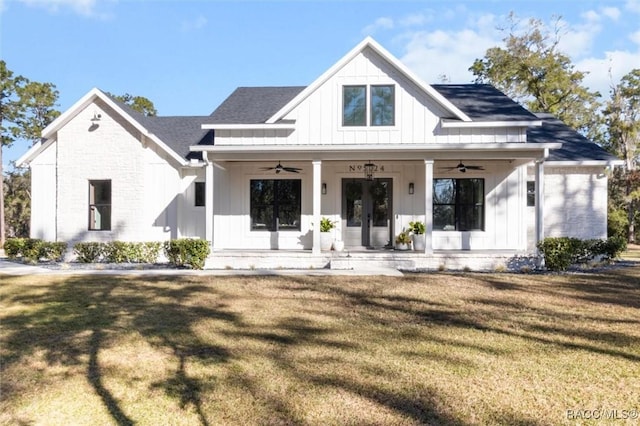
(368, 145)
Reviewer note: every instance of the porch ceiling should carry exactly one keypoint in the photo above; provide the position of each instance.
(506, 151)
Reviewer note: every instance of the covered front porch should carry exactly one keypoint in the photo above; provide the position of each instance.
(327, 175)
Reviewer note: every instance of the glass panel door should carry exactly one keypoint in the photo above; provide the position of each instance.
(366, 212)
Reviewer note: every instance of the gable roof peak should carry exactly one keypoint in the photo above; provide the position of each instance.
(369, 42)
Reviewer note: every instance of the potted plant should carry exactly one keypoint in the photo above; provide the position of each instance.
(326, 237)
(403, 240)
(417, 229)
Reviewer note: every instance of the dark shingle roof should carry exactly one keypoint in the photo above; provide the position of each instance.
(252, 105)
(483, 102)
(575, 147)
(179, 133)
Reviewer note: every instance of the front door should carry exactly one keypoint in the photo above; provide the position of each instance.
(366, 212)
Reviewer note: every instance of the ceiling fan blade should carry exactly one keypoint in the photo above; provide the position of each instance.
(474, 167)
(448, 168)
(267, 168)
(291, 169)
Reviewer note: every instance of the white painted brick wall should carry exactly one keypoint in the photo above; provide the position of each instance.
(575, 203)
(144, 186)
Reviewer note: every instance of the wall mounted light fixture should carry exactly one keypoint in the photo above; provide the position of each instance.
(324, 188)
(411, 188)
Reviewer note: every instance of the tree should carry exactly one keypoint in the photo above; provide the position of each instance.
(531, 69)
(622, 118)
(26, 108)
(137, 103)
(17, 188)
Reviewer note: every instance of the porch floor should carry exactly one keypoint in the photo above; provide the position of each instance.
(368, 259)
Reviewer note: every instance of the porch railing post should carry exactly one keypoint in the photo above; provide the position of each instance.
(208, 201)
(539, 201)
(317, 188)
(428, 206)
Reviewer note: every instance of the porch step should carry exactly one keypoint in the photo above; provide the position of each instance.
(363, 262)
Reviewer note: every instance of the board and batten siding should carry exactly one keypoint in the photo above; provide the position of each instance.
(505, 224)
(318, 118)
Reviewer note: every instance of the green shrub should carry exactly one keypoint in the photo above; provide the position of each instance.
(130, 252)
(617, 223)
(612, 247)
(149, 251)
(13, 247)
(53, 250)
(31, 250)
(119, 252)
(88, 252)
(187, 252)
(558, 252)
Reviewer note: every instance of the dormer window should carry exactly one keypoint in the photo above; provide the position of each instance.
(356, 108)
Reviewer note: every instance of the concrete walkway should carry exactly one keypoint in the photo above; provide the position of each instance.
(8, 267)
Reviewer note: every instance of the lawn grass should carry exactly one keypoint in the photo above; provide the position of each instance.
(424, 349)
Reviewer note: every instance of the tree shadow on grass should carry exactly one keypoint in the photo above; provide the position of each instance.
(80, 316)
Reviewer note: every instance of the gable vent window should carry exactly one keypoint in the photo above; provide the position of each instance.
(99, 205)
(378, 107)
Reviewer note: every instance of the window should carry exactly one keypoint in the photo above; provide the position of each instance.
(531, 193)
(199, 194)
(458, 204)
(382, 105)
(99, 205)
(354, 101)
(355, 107)
(275, 204)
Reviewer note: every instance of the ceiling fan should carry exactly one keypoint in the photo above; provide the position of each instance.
(279, 168)
(462, 168)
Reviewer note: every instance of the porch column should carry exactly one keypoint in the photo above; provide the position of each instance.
(208, 200)
(428, 206)
(539, 201)
(317, 188)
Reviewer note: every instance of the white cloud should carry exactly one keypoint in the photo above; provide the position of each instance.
(633, 6)
(635, 37)
(415, 19)
(81, 7)
(612, 13)
(432, 54)
(610, 69)
(590, 15)
(194, 24)
(379, 24)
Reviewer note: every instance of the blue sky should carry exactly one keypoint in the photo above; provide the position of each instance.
(188, 56)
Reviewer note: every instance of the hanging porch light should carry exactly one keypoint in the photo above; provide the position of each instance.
(369, 168)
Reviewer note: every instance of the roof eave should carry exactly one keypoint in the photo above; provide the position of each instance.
(26, 158)
(455, 124)
(585, 163)
(95, 93)
(256, 126)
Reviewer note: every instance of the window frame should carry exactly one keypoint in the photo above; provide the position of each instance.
(344, 105)
(368, 119)
(93, 205)
(277, 206)
(460, 208)
(531, 193)
(372, 109)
